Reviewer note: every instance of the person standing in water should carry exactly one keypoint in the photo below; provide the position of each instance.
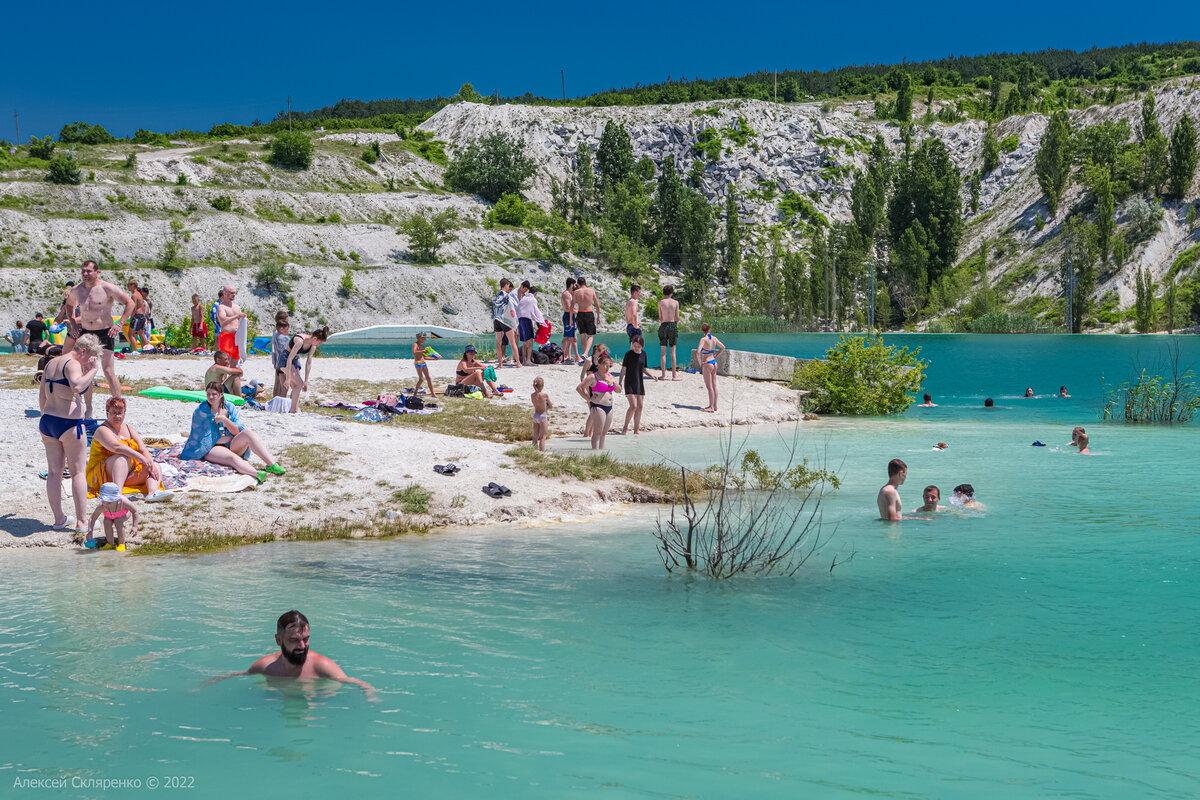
(931, 496)
(888, 499)
(1029, 391)
(668, 331)
(296, 660)
(928, 402)
(1062, 392)
(709, 348)
(567, 300)
(95, 299)
(1081, 442)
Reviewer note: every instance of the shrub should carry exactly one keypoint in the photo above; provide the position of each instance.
(861, 375)
(1007, 322)
(491, 166)
(172, 256)
(84, 133)
(708, 144)
(42, 148)
(509, 210)
(222, 202)
(1153, 398)
(1039, 222)
(413, 499)
(181, 179)
(1010, 143)
(64, 170)
(292, 150)
(372, 154)
(427, 233)
(143, 136)
(797, 206)
(346, 285)
(275, 279)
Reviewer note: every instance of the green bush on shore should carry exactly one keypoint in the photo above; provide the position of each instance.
(861, 376)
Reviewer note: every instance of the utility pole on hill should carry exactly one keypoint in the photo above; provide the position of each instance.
(562, 74)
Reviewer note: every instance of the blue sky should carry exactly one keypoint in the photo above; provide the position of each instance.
(167, 65)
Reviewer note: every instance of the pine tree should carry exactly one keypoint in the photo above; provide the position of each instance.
(1182, 168)
(994, 95)
(1079, 269)
(1053, 162)
(900, 81)
(1150, 124)
(1144, 302)
(1171, 307)
(1106, 219)
(929, 192)
(583, 195)
(669, 214)
(733, 236)
(991, 150)
(614, 158)
(817, 276)
(698, 240)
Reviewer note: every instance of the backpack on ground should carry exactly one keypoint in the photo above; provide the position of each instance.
(414, 403)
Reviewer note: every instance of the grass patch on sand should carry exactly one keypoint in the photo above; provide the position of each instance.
(193, 543)
(660, 478)
(309, 457)
(413, 499)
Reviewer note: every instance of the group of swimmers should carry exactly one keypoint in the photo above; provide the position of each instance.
(892, 510)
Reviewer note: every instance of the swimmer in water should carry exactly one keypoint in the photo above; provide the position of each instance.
(928, 402)
(1075, 433)
(1081, 441)
(295, 660)
(939, 447)
(888, 498)
(964, 496)
(1029, 391)
(1062, 392)
(932, 495)
(989, 403)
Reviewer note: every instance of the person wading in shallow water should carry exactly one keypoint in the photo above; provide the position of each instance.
(296, 660)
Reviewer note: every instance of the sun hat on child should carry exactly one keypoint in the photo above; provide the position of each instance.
(110, 493)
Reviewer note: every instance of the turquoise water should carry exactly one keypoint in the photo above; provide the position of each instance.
(963, 368)
(1045, 648)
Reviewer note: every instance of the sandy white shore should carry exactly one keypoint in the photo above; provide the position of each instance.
(368, 462)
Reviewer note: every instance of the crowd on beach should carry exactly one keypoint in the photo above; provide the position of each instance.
(109, 461)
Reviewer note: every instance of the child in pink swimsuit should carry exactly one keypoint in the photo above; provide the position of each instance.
(114, 508)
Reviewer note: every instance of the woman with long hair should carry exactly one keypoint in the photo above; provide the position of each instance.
(64, 381)
(218, 436)
(303, 344)
(709, 348)
(597, 388)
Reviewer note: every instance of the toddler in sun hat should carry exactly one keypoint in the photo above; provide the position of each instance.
(115, 509)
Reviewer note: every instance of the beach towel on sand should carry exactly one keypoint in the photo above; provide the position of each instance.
(182, 475)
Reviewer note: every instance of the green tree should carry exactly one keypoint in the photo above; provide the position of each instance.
(928, 194)
(584, 198)
(699, 242)
(991, 150)
(42, 148)
(84, 133)
(1106, 218)
(796, 288)
(467, 94)
(1183, 156)
(901, 82)
(64, 170)
(1079, 269)
(491, 166)
(510, 209)
(669, 213)
(1144, 301)
(614, 158)
(1053, 162)
(427, 233)
(292, 150)
(861, 375)
(733, 236)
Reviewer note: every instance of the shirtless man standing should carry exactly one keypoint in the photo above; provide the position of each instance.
(889, 496)
(633, 317)
(567, 299)
(295, 660)
(587, 306)
(668, 331)
(94, 298)
(137, 317)
(229, 316)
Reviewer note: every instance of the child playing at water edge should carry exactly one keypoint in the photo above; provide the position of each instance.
(418, 353)
(115, 509)
(541, 419)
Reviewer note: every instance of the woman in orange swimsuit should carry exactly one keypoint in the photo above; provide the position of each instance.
(118, 455)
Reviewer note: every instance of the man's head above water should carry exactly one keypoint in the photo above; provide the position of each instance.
(291, 634)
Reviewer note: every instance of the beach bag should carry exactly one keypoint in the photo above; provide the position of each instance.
(414, 403)
(539, 357)
(553, 352)
(543, 333)
(454, 390)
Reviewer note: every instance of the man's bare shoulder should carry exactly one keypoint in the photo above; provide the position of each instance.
(260, 666)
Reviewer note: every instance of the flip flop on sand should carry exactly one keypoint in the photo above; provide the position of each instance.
(446, 469)
(496, 491)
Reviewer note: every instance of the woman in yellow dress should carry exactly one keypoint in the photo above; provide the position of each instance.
(118, 455)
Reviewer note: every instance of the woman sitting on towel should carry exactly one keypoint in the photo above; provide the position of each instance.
(218, 437)
(469, 372)
(118, 455)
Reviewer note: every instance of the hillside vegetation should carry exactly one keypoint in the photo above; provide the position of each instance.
(992, 193)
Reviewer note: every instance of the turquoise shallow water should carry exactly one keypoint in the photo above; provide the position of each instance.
(1046, 648)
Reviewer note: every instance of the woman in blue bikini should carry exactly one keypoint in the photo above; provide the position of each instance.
(709, 348)
(65, 380)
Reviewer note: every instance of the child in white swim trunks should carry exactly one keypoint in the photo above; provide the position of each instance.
(541, 416)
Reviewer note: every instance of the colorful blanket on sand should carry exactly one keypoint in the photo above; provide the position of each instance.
(181, 475)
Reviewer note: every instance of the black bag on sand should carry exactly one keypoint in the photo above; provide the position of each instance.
(414, 403)
(539, 357)
(455, 390)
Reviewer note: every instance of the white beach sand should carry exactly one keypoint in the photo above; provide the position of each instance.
(369, 461)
